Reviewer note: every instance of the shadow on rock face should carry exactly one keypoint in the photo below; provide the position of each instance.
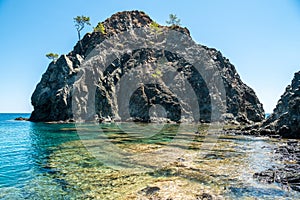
(148, 95)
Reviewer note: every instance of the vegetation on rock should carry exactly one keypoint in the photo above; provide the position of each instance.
(52, 99)
(173, 20)
(80, 22)
(52, 56)
(155, 27)
(100, 28)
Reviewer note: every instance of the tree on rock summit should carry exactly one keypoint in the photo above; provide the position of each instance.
(80, 22)
(173, 20)
(52, 56)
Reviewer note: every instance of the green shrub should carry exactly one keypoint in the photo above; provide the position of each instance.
(100, 28)
(52, 56)
(155, 28)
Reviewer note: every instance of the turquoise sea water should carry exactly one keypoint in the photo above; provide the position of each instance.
(24, 150)
(50, 161)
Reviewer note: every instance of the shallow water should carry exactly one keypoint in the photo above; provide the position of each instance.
(131, 161)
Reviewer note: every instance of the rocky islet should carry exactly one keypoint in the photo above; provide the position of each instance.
(52, 98)
(54, 95)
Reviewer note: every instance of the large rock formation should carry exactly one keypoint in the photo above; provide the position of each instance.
(57, 96)
(285, 119)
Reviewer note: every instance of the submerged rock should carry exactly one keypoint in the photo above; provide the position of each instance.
(285, 119)
(204, 196)
(150, 190)
(56, 96)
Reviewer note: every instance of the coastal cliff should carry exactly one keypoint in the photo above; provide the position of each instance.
(285, 119)
(53, 98)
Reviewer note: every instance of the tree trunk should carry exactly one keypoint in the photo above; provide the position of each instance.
(80, 44)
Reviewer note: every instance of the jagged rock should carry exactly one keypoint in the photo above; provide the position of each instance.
(285, 119)
(59, 97)
(52, 97)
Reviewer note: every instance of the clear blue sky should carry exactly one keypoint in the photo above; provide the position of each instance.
(261, 38)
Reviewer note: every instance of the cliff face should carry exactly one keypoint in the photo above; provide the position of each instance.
(161, 81)
(285, 119)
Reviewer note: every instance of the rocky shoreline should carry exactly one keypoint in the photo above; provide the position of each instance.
(285, 119)
(287, 175)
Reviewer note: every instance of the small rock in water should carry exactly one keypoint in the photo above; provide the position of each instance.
(181, 159)
(204, 196)
(292, 142)
(275, 136)
(21, 119)
(210, 156)
(150, 190)
(266, 176)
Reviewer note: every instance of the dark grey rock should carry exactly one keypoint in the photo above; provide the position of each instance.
(150, 190)
(287, 174)
(285, 119)
(21, 119)
(53, 98)
(204, 196)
